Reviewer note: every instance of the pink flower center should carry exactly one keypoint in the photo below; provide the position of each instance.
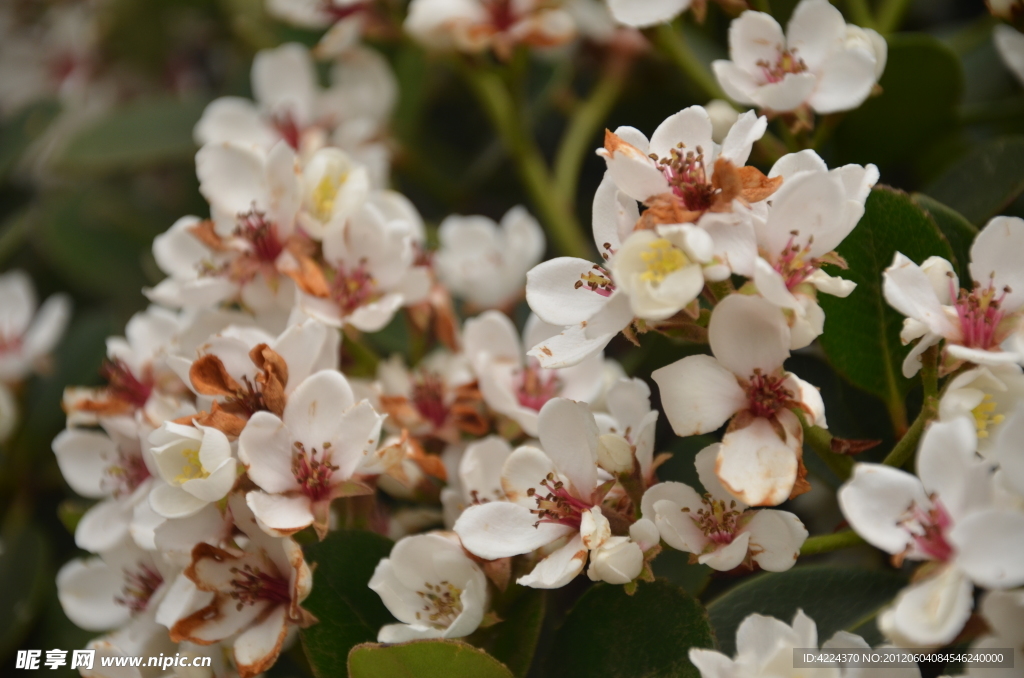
(558, 505)
(787, 62)
(312, 474)
(686, 173)
(980, 313)
(338, 13)
(502, 14)
(10, 344)
(127, 473)
(261, 234)
(252, 585)
(928, 528)
(428, 398)
(597, 280)
(288, 128)
(766, 394)
(124, 386)
(139, 586)
(537, 386)
(352, 289)
(716, 520)
(795, 264)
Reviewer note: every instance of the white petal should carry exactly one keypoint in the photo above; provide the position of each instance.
(874, 501)
(87, 590)
(494, 334)
(614, 215)
(559, 568)
(634, 173)
(232, 177)
(552, 295)
(931, 612)
(690, 127)
(646, 13)
(677, 527)
(747, 334)
(725, 558)
(738, 84)
(500, 529)
(265, 447)
(283, 81)
(811, 204)
(948, 466)
(787, 94)
(996, 258)
(753, 38)
(48, 326)
(233, 119)
(990, 547)
(84, 458)
(775, 539)
(524, 469)
(705, 463)
(568, 434)
(845, 82)
(790, 164)
(910, 291)
(816, 30)
(747, 129)
(104, 526)
(698, 394)
(280, 515)
(174, 502)
(257, 648)
(755, 466)
(772, 286)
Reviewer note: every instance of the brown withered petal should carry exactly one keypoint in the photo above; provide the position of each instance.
(227, 423)
(665, 209)
(308, 275)
(756, 186)
(210, 377)
(498, 571)
(273, 376)
(205, 233)
(728, 185)
(801, 485)
(430, 464)
(850, 447)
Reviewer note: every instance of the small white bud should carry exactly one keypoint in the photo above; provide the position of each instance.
(619, 561)
(614, 454)
(723, 117)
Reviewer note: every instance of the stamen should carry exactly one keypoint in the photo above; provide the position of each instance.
(139, 586)
(717, 520)
(794, 264)
(662, 259)
(124, 386)
(193, 468)
(537, 386)
(983, 417)
(252, 585)
(428, 396)
(352, 289)
(980, 313)
(312, 474)
(928, 528)
(599, 282)
(766, 395)
(686, 173)
(788, 62)
(558, 505)
(253, 227)
(127, 473)
(442, 604)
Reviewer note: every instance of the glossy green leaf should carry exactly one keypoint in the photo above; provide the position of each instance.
(26, 573)
(22, 129)
(349, 612)
(610, 634)
(424, 659)
(921, 87)
(861, 335)
(958, 230)
(982, 184)
(835, 598)
(513, 641)
(142, 133)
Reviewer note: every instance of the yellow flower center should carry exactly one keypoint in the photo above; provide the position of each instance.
(983, 417)
(192, 468)
(325, 194)
(442, 604)
(662, 258)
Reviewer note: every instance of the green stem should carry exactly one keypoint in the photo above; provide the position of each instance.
(904, 450)
(15, 231)
(672, 43)
(820, 440)
(890, 15)
(860, 12)
(830, 542)
(930, 373)
(553, 208)
(579, 135)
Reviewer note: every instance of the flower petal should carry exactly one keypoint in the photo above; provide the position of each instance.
(501, 529)
(990, 547)
(552, 294)
(558, 568)
(747, 334)
(874, 501)
(775, 539)
(755, 466)
(698, 394)
(280, 515)
(568, 434)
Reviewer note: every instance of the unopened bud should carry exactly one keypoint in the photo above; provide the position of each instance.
(619, 561)
(614, 454)
(594, 528)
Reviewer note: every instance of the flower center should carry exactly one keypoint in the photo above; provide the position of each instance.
(788, 62)
(983, 417)
(596, 280)
(980, 312)
(192, 469)
(928, 528)
(127, 473)
(537, 386)
(261, 234)
(442, 604)
(428, 398)
(313, 475)
(139, 586)
(795, 264)
(248, 399)
(766, 394)
(717, 520)
(252, 585)
(10, 343)
(124, 386)
(662, 258)
(288, 128)
(686, 173)
(352, 289)
(326, 193)
(558, 505)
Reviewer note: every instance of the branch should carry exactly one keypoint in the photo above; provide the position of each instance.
(830, 542)
(820, 440)
(903, 450)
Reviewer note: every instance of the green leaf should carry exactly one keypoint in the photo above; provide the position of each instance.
(610, 634)
(921, 87)
(861, 335)
(20, 131)
(958, 231)
(424, 659)
(27, 576)
(349, 612)
(142, 133)
(835, 598)
(985, 182)
(513, 641)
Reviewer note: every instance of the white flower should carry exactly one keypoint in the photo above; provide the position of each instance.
(475, 476)
(627, 429)
(820, 62)
(28, 332)
(197, 465)
(552, 500)
(1010, 45)
(760, 454)
(976, 323)
(644, 13)
(345, 18)
(718, 529)
(109, 466)
(989, 395)
(486, 263)
(432, 587)
(257, 591)
(513, 384)
(305, 459)
(372, 272)
(809, 216)
(477, 25)
(617, 561)
(334, 187)
(764, 649)
(947, 516)
(1003, 612)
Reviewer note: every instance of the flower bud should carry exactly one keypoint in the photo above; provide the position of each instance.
(614, 454)
(645, 534)
(594, 528)
(723, 117)
(619, 561)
